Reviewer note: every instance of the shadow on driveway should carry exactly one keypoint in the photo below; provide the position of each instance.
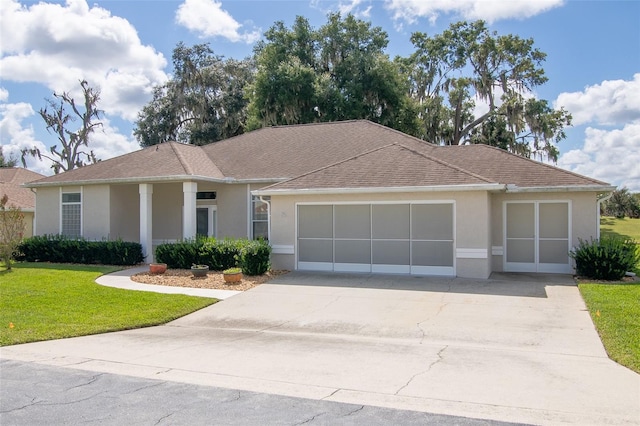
(499, 284)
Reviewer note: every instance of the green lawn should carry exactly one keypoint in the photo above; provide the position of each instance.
(620, 227)
(615, 310)
(615, 307)
(49, 301)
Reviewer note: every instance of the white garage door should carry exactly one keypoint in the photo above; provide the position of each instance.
(408, 238)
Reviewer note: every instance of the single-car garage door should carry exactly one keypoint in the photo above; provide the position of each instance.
(404, 238)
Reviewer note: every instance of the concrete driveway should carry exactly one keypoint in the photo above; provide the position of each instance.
(514, 348)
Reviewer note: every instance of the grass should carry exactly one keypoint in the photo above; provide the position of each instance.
(626, 228)
(615, 307)
(50, 301)
(615, 311)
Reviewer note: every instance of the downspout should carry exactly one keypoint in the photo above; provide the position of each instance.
(268, 203)
(600, 201)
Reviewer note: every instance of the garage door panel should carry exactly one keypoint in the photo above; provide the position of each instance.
(521, 251)
(353, 221)
(391, 221)
(432, 253)
(385, 238)
(554, 220)
(391, 252)
(315, 221)
(315, 251)
(554, 251)
(353, 251)
(432, 222)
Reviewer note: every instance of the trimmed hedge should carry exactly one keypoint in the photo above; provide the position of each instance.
(61, 249)
(252, 256)
(606, 259)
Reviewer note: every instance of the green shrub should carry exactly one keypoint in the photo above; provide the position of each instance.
(252, 256)
(180, 255)
(255, 257)
(61, 249)
(606, 259)
(221, 254)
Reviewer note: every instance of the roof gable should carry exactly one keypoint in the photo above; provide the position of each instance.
(159, 161)
(287, 151)
(390, 166)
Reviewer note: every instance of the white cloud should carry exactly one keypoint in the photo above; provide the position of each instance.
(612, 102)
(207, 18)
(58, 45)
(354, 7)
(609, 155)
(489, 10)
(107, 142)
(16, 136)
(4, 94)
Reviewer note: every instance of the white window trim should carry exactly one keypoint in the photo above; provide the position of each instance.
(252, 220)
(62, 191)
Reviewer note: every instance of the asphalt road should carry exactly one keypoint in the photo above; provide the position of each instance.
(32, 394)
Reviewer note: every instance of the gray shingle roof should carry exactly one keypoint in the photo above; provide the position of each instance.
(347, 154)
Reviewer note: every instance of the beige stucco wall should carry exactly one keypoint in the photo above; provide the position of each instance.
(48, 211)
(28, 224)
(167, 211)
(233, 211)
(95, 212)
(471, 233)
(584, 216)
(124, 210)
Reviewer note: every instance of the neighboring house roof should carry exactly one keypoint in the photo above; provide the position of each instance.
(11, 179)
(346, 154)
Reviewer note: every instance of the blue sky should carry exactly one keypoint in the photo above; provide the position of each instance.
(124, 48)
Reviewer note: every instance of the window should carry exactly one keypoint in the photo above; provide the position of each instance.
(71, 214)
(259, 218)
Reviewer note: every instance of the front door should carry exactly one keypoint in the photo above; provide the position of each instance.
(537, 236)
(206, 221)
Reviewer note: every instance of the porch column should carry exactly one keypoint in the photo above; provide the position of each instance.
(146, 221)
(189, 190)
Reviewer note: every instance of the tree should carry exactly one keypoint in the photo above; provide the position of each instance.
(622, 203)
(74, 149)
(465, 64)
(204, 101)
(11, 230)
(7, 162)
(337, 72)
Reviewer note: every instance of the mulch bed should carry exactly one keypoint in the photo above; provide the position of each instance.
(213, 280)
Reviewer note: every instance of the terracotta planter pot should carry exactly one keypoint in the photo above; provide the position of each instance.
(233, 278)
(157, 268)
(199, 272)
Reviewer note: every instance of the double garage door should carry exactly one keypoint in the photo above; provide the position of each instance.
(404, 238)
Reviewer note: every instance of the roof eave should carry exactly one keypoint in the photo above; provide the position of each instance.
(382, 190)
(151, 179)
(565, 188)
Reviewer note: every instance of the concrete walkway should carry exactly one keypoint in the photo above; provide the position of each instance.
(122, 279)
(513, 348)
